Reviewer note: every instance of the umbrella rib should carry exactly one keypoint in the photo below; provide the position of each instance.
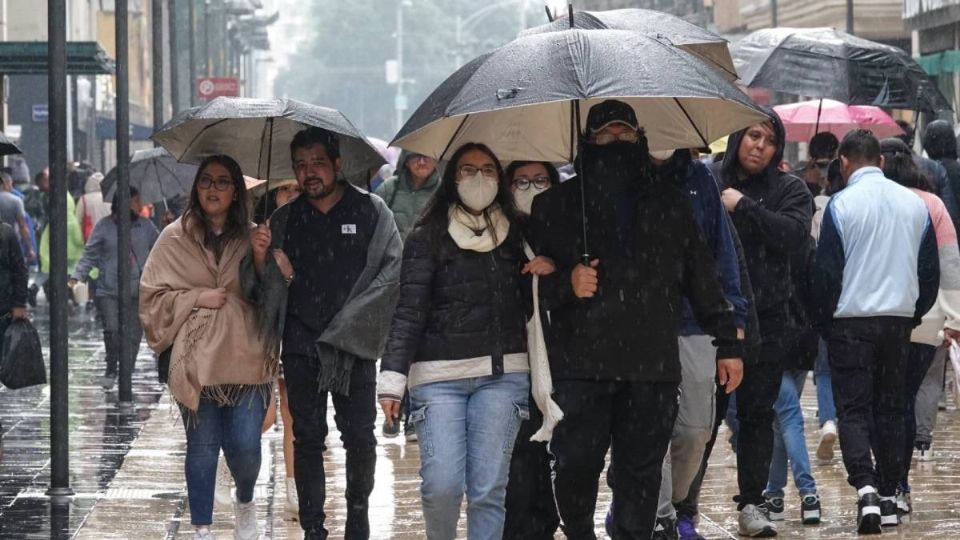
(692, 123)
(197, 136)
(454, 137)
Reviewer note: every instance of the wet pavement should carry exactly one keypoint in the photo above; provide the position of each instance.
(127, 469)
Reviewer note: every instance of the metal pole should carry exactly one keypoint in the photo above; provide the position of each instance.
(59, 369)
(774, 15)
(206, 37)
(174, 33)
(156, 22)
(192, 15)
(123, 191)
(850, 16)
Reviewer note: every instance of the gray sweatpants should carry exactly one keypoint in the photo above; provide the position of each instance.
(929, 396)
(694, 424)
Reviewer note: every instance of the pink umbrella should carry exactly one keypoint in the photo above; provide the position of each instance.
(804, 120)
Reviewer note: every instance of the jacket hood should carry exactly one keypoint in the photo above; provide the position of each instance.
(939, 140)
(731, 161)
(93, 183)
(403, 175)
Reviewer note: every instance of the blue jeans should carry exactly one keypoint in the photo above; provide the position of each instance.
(466, 430)
(826, 409)
(234, 428)
(788, 440)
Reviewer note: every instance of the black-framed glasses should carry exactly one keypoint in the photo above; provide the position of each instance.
(220, 184)
(523, 183)
(468, 171)
(602, 139)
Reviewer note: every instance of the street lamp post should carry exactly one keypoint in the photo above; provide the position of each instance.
(125, 387)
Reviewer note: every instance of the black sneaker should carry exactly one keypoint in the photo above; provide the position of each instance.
(810, 509)
(665, 529)
(774, 507)
(888, 512)
(868, 514)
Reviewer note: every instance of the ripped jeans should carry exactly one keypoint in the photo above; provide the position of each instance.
(466, 429)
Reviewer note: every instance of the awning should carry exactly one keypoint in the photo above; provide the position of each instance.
(30, 58)
(941, 62)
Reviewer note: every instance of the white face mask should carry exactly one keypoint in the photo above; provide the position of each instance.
(477, 191)
(524, 198)
(662, 155)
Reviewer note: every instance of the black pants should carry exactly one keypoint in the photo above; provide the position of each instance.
(636, 418)
(921, 357)
(108, 311)
(531, 509)
(355, 417)
(868, 361)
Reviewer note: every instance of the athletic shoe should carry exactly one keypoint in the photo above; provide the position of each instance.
(868, 514)
(291, 508)
(755, 523)
(888, 512)
(245, 521)
(924, 451)
(904, 502)
(774, 508)
(410, 433)
(665, 529)
(687, 529)
(108, 379)
(828, 437)
(203, 534)
(810, 509)
(390, 429)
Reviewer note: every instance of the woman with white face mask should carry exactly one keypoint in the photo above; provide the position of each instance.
(458, 342)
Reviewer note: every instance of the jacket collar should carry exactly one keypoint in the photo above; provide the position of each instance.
(864, 172)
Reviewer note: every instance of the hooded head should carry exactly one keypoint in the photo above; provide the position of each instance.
(733, 170)
(939, 141)
(93, 183)
(409, 164)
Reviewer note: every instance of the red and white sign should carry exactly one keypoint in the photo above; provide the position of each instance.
(214, 87)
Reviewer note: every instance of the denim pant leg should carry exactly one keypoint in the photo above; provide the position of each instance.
(204, 437)
(777, 479)
(438, 411)
(791, 428)
(241, 441)
(826, 408)
(494, 412)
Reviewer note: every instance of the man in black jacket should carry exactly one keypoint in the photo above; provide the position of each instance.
(771, 212)
(13, 279)
(613, 322)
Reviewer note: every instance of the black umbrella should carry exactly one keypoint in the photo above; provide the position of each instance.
(521, 99)
(156, 175)
(7, 147)
(257, 133)
(700, 42)
(830, 64)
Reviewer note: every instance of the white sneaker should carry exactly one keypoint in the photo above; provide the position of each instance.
(203, 534)
(245, 519)
(221, 496)
(755, 523)
(828, 437)
(291, 508)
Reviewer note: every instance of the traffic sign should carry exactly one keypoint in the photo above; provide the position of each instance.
(213, 87)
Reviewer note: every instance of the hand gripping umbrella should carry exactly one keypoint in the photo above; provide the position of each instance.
(700, 42)
(524, 99)
(257, 134)
(827, 63)
(156, 175)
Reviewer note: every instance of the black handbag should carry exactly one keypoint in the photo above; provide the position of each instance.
(163, 364)
(22, 362)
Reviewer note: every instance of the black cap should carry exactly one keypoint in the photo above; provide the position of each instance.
(609, 112)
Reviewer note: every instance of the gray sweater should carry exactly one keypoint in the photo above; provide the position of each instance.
(101, 252)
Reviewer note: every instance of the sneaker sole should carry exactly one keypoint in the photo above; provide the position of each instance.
(777, 516)
(889, 521)
(870, 524)
(825, 448)
(766, 532)
(810, 518)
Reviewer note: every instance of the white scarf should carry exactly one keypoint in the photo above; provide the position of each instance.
(472, 233)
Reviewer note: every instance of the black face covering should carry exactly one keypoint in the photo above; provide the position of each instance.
(613, 172)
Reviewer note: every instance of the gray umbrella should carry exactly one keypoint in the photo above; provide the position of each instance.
(7, 147)
(257, 133)
(156, 175)
(709, 47)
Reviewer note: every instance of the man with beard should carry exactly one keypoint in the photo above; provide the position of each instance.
(613, 321)
(329, 290)
(101, 253)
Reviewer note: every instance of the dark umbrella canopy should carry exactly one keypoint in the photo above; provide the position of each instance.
(700, 42)
(828, 63)
(156, 175)
(257, 133)
(7, 147)
(520, 98)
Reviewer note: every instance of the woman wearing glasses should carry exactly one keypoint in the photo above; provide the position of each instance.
(458, 342)
(220, 374)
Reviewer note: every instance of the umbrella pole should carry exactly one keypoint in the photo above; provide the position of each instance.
(819, 108)
(575, 139)
(268, 127)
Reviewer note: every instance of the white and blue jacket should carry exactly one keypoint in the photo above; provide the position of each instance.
(877, 255)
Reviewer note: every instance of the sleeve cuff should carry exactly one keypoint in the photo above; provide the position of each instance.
(391, 385)
(731, 349)
(745, 204)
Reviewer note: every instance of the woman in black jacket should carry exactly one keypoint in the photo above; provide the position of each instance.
(458, 342)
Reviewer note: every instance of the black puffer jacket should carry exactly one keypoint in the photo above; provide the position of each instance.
(773, 220)
(457, 304)
(13, 271)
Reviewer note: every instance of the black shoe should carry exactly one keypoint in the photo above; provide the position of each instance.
(868, 514)
(665, 529)
(888, 512)
(316, 533)
(32, 295)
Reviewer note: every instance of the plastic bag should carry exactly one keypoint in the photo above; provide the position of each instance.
(22, 362)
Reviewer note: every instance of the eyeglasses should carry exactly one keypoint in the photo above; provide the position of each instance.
(421, 159)
(523, 183)
(467, 171)
(220, 184)
(602, 139)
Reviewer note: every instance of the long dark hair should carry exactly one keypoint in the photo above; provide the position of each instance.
(238, 217)
(436, 213)
(899, 166)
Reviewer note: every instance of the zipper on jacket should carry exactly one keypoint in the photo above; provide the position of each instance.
(496, 353)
